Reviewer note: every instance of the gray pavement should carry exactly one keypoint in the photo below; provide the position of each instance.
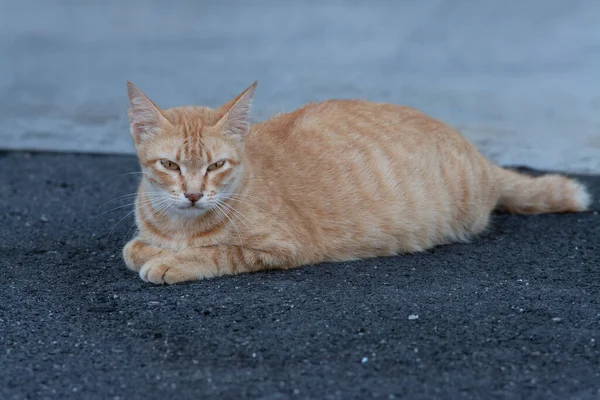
(519, 78)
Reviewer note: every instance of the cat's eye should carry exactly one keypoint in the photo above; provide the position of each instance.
(216, 165)
(169, 165)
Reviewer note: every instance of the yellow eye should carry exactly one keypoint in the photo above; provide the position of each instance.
(169, 165)
(216, 165)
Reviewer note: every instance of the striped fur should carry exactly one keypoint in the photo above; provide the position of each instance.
(332, 181)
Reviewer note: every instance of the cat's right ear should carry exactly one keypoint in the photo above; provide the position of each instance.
(145, 118)
(234, 118)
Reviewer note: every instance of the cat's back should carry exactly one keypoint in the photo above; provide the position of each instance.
(337, 125)
(328, 114)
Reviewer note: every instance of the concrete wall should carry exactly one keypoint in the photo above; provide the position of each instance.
(520, 78)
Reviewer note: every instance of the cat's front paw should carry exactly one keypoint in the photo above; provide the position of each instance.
(163, 270)
(130, 252)
(137, 252)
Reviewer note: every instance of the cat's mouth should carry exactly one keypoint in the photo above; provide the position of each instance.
(192, 209)
(195, 206)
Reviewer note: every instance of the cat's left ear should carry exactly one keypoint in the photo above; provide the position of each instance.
(145, 118)
(235, 113)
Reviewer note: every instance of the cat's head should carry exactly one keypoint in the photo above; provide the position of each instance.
(192, 157)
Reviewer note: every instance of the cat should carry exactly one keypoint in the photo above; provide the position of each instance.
(337, 180)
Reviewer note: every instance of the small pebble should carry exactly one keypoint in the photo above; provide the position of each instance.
(43, 218)
(412, 317)
(364, 360)
(556, 319)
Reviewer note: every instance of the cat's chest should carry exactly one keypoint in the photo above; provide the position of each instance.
(179, 238)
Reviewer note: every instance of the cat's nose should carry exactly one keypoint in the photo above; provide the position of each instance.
(193, 197)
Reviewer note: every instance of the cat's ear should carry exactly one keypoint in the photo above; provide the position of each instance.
(145, 118)
(235, 113)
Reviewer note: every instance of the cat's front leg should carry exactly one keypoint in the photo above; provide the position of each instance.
(205, 262)
(137, 253)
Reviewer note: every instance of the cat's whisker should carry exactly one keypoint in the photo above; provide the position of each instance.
(128, 173)
(236, 213)
(163, 210)
(220, 215)
(124, 175)
(156, 206)
(232, 223)
(130, 228)
(127, 196)
(110, 179)
(248, 201)
(245, 202)
(247, 196)
(123, 197)
(114, 209)
(149, 194)
(125, 216)
(123, 206)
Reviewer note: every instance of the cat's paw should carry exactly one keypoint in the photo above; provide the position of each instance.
(137, 252)
(165, 270)
(130, 252)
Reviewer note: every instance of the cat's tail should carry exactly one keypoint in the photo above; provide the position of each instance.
(524, 194)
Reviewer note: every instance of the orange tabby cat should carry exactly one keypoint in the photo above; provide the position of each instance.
(333, 181)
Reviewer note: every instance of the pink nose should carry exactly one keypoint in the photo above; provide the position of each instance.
(193, 197)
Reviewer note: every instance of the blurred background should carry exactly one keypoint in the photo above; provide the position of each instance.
(519, 78)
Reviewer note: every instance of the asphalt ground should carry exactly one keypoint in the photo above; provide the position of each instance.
(514, 314)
